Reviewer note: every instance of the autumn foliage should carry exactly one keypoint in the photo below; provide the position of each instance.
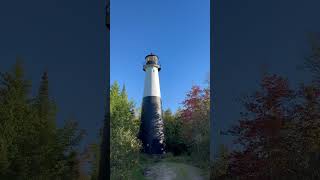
(187, 131)
(278, 132)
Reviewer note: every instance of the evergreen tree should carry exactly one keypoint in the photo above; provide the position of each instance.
(124, 144)
(31, 145)
(46, 107)
(46, 116)
(123, 92)
(16, 120)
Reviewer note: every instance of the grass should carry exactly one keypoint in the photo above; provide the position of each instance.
(137, 173)
(182, 172)
(179, 159)
(144, 162)
(185, 159)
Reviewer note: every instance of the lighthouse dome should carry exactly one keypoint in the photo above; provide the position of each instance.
(152, 59)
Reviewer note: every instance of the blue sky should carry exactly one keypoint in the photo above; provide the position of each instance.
(68, 39)
(177, 31)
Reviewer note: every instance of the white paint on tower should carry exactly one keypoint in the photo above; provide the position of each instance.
(151, 81)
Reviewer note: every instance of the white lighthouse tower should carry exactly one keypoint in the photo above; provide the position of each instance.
(151, 128)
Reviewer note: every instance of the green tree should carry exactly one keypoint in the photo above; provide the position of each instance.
(125, 146)
(45, 129)
(16, 123)
(173, 133)
(32, 147)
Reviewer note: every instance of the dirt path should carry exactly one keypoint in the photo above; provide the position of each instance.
(172, 171)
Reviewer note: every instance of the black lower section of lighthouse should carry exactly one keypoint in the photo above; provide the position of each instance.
(151, 128)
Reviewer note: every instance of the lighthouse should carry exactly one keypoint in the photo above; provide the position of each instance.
(151, 127)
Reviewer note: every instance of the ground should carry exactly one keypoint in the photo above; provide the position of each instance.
(173, 171)
(169, 168)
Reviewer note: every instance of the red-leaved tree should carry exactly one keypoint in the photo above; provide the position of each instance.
(278, 132)
(259, 131)
(195, 123)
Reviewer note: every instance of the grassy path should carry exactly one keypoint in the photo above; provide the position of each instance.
(169, 168)
(173, 171)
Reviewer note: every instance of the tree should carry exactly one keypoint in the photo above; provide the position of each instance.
(195, 117)
(15, 115)
(31, 144)
(124, 144)
(45, 128)
(173, 133)
(278, 132)
(260, 130)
